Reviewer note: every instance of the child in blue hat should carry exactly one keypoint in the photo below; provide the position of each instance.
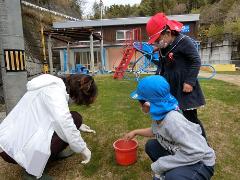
(178, 151)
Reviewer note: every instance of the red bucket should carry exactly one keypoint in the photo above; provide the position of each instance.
(125, 151)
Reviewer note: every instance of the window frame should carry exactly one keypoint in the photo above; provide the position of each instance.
(124, 34)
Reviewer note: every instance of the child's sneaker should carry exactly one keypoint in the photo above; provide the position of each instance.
(158, 177)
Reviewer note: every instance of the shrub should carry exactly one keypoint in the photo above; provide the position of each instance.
(233, 27)
(216, 32)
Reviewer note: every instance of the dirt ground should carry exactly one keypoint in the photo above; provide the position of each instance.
(233, 79)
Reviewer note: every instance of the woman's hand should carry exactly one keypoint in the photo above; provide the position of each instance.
(86, 153)
(129, 135)
(85, 128)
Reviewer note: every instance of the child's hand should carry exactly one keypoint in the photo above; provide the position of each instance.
(187, 88)
(129, 135)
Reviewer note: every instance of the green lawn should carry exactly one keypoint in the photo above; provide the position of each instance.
(229, 72)
(114, 114)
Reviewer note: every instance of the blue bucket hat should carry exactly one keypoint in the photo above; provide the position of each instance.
(155, 89)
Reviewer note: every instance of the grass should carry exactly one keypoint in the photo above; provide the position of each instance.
(114, 114)
(237, 72)
(221, 117)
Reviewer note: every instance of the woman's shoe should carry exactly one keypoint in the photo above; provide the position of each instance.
(27, 176)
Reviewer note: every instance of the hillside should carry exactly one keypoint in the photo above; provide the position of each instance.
(34, 19)
(219, 19)
(68, 7)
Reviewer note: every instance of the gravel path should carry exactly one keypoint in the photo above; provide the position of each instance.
(233, 79)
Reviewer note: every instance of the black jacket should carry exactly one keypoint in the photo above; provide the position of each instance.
(180, 63)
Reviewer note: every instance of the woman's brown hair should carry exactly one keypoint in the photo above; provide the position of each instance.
(81, 88)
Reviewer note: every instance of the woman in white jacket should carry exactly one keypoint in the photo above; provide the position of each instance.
(41, 125)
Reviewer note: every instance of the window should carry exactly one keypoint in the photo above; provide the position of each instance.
(123, 34)
(84, 58)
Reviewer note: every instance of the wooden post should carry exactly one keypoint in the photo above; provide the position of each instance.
(50, 54)
(91, 55)
(68, 58)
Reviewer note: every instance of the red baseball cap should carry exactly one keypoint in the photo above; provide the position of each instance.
(157, 23)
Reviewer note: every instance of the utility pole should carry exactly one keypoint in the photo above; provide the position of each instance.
(101, 46)
(12, 55)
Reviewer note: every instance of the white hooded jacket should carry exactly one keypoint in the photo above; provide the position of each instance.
(26, 133)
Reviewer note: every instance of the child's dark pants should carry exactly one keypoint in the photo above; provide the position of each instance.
(196, 171)
(57, 144)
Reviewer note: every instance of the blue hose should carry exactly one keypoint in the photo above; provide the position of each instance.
(213, 72)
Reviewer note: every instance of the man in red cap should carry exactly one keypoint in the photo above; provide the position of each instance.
(179, 64)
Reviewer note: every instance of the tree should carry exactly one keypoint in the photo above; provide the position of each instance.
(115, 11)
(151, 7)
(96, 10)
(179, 9)
(193, 4)
(80, 4)
(216, 13)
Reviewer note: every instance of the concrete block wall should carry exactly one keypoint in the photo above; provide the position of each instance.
(33, 66)
(217, 53)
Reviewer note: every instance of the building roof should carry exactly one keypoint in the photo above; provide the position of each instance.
(120, 21)
(72, 34)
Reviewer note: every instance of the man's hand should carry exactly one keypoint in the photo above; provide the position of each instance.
(85, 128)
(187, 88)
(86, 153)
